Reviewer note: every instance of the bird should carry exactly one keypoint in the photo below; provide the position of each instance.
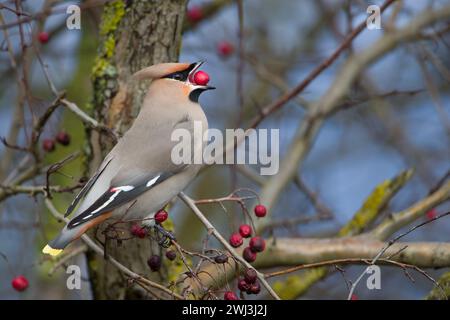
(137, 177)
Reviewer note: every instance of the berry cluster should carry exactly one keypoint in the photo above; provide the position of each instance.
(256, 244)
(141, 232)
(62, 138)
(248, 284)
(155, 261)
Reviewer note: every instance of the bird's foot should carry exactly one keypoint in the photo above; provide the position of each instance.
(163, 236)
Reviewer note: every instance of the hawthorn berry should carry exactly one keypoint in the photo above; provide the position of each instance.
(201, 78)
(63, 138)
(138, 231)
(250, 275)
(154, 262)
(243, 285)
(19, 283)
(161, 216)
(236, 240)
(249, 255)
(171, 255)
(245, 230)
(48, 145)
(255, 288)
(223, 258)
(431, 214)
(194, 14)
(257, 244)
(225, 48)
(229, 295)
(43, 37)
(260, 211)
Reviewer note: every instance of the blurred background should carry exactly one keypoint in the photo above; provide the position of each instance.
(397, 117)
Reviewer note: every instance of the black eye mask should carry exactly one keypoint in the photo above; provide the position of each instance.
(181, 75)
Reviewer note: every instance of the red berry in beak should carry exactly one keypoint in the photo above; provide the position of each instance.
(48, 145)
(228, 295)
(249, 255)
(161, 216)
(43, 37)
(225, 48)
(19, 283)
(245, 230)
(236, 240)
(257, 244)
(260, 211)
(63, 138)
(201, 78)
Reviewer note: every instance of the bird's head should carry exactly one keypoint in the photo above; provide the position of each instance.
(177, 78)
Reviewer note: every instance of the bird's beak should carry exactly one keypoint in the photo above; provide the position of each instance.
(197, 66)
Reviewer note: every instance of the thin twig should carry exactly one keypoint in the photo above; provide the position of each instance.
(191, 204)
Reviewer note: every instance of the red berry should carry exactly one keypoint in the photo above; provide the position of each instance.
(245, 230)
(19, 283)
(229, 295)
(225, 48)
(48, 145)
(161, 216)
(243, 285)
(236, 240)
(43, 37)
(201, 78)
(260, 211)
(154, 262)
(249, 255)
(255, 288)
(354, 297)
(194, 14)
(431, 214)
(138, 231)
(171, 255)
(63, 138)
(250, 276)
(257, 244)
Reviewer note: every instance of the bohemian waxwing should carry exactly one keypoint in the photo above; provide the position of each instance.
(137, 178)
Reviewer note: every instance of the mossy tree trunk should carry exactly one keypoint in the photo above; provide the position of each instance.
(133, 35)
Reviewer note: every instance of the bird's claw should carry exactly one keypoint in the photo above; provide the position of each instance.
(164, 237)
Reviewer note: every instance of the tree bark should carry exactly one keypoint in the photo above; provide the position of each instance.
(133, 35)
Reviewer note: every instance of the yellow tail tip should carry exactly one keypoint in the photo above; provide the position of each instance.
(51, 251)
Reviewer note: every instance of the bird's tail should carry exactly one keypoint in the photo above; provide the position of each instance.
(57, 245)
(48, 249)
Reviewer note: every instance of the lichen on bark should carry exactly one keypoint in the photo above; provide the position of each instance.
(133, 35)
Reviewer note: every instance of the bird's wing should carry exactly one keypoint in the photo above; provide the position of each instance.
(87, 187)
(121, 193)
(140, 170)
